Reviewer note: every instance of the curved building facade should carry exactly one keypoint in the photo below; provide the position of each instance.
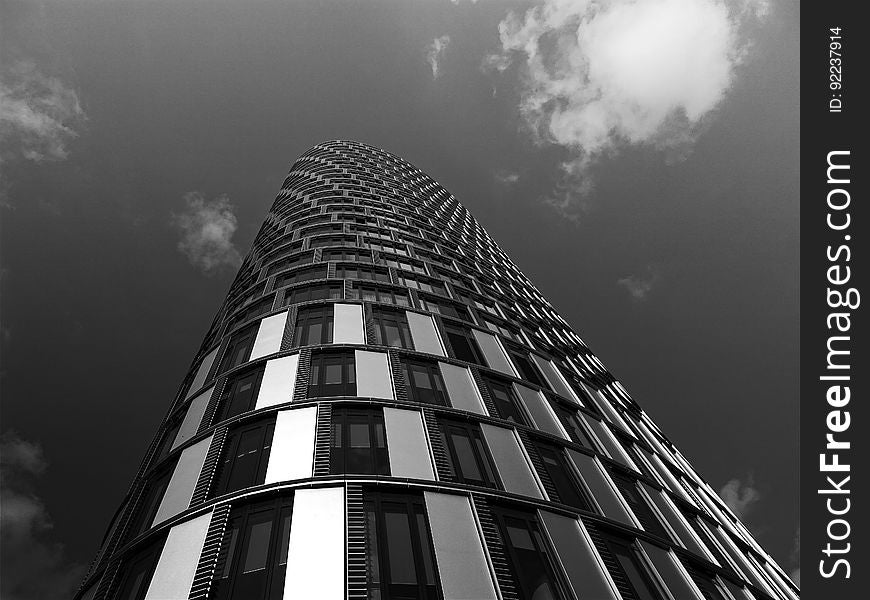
(385, 407)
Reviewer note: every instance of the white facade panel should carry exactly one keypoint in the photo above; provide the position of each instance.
(510, 461)
(279, 381)
(183, 481)
(555, 378)
(373, 375)
(586, 572)
(176, 567)
(315, 558)
(602, 488)
(192, 418)
(493, 352)
(406, 441)
(672, 574)
(424, 334)
(461, 390)
(202, 373)
(292, 454)
(269, 335)
(541, 411)
(462, 565)
(348, 324)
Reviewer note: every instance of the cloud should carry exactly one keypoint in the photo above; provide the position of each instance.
(434, 53)
(207, 228)
(506, 178)
(39, 114)
(639, 286)
(597, 76)
(34, 567)
(740, 496)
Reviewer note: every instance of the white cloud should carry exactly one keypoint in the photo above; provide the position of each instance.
(639, 286)
(598, 75)
(506, 178)
(435, 52)
(33, 565)
(39, 115)
(740, 496)
(207, 229)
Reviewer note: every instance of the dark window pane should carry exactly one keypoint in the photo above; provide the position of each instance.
(401, 553)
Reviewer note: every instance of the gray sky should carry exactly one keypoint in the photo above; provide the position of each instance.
(639, 162)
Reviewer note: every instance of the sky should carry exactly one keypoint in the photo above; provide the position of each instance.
(638, 160)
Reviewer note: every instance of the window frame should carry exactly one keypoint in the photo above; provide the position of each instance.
(319, 360)
(229, 392)
(451, 331)
(343, 417)
(233, 550)
(376, 505)
(433, 372)
(480, 453)
(224, 472)
(307, 317)
(545, 553)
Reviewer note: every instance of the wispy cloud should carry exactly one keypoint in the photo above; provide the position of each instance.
(639, 286)
(506, 178)
(740, 496)
(207, 228)
(598, 76)
(435, 52)
(39, 114)
(34, 566)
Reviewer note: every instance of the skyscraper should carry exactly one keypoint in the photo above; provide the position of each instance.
(385, 407)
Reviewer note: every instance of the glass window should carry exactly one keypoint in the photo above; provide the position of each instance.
(462, 344)
(137, 570)
(317, 291)
(253, 310)
(245, 457)
(252, 561)
(288, 263)
(359, 443)
(572, 425)
(424, 382)
(400, 556)
(238, 349)
(506, 402)
(524, 365)
(168, 439)
(528, 555)
(375, 293)
(444, 307)
(239, 394)
(424, 285)
(151, 498)
(570, 490)
(336, 254)
(313, 326)
(332, 374)
(632, 571)
(332, 240)
(391, 328)
(628, 487)
(362, 272)
(467, 454)
(300, 275)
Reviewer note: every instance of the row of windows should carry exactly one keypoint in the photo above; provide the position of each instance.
(545, 556)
